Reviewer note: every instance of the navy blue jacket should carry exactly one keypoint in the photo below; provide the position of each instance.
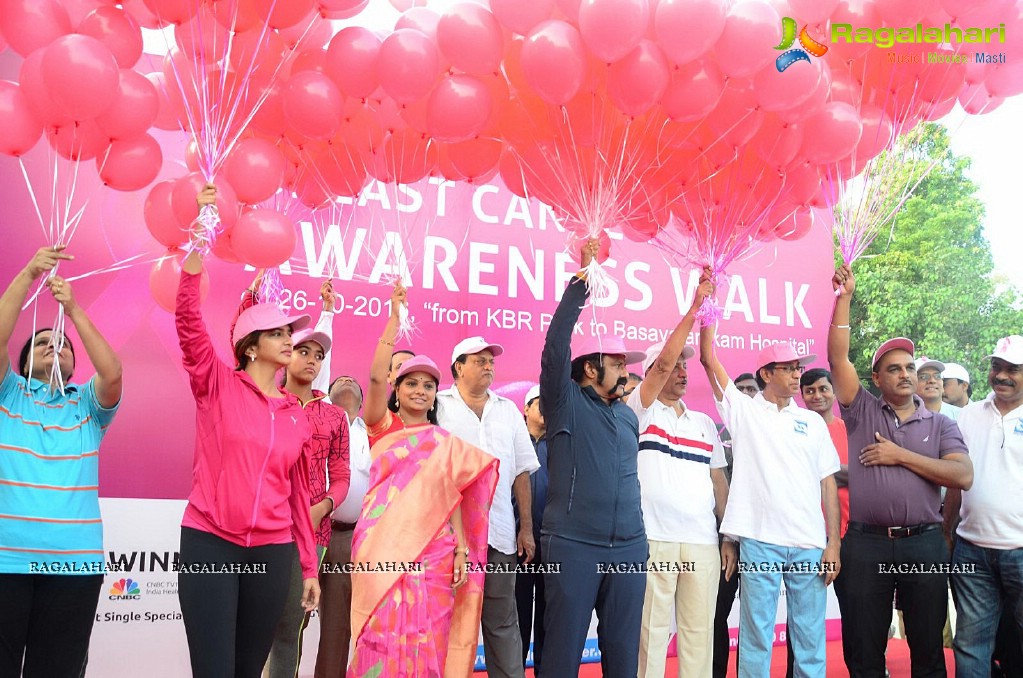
(592, 447)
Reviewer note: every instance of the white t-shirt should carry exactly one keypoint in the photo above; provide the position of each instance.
(359, 461)
(992, 513)
(779, 459)
(500, 432)
(675, 458)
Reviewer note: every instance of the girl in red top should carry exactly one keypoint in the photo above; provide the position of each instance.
(250, 490)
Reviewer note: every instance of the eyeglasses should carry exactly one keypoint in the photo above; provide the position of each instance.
(789, 369)
(928, 377)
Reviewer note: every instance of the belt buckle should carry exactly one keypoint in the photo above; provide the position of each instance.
(894, 529)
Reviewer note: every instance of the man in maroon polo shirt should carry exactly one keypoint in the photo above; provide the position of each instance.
(900, 455)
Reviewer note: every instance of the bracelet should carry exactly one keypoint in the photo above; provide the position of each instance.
(386, 343)
(841, 327)
(462, 549)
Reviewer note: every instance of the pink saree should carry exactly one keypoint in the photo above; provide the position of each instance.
(413, 623)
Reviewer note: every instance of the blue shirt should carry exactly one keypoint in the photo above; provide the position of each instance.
(49, 477)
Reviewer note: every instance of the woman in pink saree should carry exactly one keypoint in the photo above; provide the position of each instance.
(415, 605)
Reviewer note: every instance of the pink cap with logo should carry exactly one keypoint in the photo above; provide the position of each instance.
(1009, 349)
(418, 363)
(608, 344)
(266, 317)
(890, 345)
(654, 351)
(310, 334)
(783, 352)
(474, 345)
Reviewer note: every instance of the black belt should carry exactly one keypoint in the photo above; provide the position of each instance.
(894, 532)
(344, 527)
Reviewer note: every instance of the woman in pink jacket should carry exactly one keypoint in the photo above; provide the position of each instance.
(250, 486)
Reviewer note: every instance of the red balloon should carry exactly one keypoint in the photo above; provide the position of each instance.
(343, 170)
(638, 81)
(693, 92)
(408, 65)
(21, 128)
(470, 38)
(130, 164)
(116, 29)
(795, 225)
(613, 28)
(458, 108)
(159, 216)
(134, 109)
(686, 29)
(511, 173)
(264, 238)
(832, 133)
(82, 140)
(81, 75)
(270, 118)
(165, 276)
(256, 167)
(405, 157)
(31, 24)
(312, 104)
(352, 61)
(554, 62)
(475, 158)
(184, 206)
(521, 17)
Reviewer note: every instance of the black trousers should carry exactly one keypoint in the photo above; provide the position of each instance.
(529, 598)
(865, 590)
(45, 624)
(230, 617)
(726, 599)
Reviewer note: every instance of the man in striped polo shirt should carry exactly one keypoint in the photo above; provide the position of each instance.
(51, 536)
(683, 493)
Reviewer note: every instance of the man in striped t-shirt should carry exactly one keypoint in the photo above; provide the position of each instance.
(683, 492)
(51, 536)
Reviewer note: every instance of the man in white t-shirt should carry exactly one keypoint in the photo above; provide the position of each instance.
(683, 492)
(987, 574)
(784, 465)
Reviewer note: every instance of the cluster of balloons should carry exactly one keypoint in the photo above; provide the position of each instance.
(633, 114)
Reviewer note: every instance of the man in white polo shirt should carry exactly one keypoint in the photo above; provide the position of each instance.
(683, 492)
(988, 560)
(784, 465)
(477, 415)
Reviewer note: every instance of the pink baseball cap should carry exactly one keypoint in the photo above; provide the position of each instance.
(266, 317)
(1009, 349)
(654, 351)
(418, 363)
(608, 344)
(474, 345)
(890, 345)
(310, 334)
(783, 352)
(924, 363)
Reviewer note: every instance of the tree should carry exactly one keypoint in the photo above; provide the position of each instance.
(933, 279)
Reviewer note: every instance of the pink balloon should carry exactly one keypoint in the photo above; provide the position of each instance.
(202, 38)
(343, 169)
(282, 14)
(811, 11)
(422, 19)
(752, 29)
(832, 133)
(405, 157)
(264, 238)
(314, 59)
(408, 65)
(312, 104)
(476, 158)
(976, 100)
(183, 200)
(159, 216)
(270, 118)
(521, 17)
(352, 61)
(554, 61)
(686, 29)
(795, 225)
(1005, 80)
(82, 140)
(781, 91)
(637, 82)
(802, 183)
(172, 11)
(77, 10)
(21, 128)
(165, 276)
(694, 91)
(877, 132)
(168, 102)
(311, 32)
(777, 142)
(142, 15)
(736, 118)
(613, 28)
(81, 75)
(470, 38)
(134, 109)
(256, 167)
(117, 30)
(31, 24)
(341, 9)
(458, 108)
(256, 51)
(903, 12)
(130, 164)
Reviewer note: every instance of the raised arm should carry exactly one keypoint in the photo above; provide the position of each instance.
(716, 374)
(662, 368)
(44, 261)
(843, 372)
(101, 354)
(326, 325)
(375, 406)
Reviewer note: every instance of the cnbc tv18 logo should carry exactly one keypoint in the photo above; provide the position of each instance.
(807, 44)
(125, 589)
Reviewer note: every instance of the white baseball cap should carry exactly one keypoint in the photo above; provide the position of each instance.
(925, 363)
(654, 352)
(956, 371)
(531, 395)
(1009, 349)
(474, 345)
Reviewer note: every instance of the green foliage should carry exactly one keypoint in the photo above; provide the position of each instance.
(932, 280)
